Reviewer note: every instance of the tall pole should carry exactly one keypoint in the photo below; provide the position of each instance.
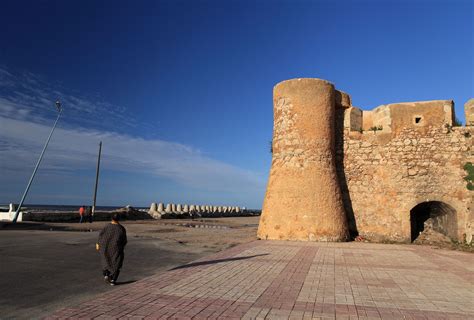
(97, 177)
(58, 105)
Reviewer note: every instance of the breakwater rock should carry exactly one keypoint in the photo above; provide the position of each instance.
(174, 211)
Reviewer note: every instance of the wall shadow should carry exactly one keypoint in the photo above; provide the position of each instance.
(339, 157)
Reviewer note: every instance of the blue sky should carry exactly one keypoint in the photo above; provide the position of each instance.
(180, 92)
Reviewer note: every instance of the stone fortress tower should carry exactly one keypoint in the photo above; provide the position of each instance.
(303, 199)
(338, 171)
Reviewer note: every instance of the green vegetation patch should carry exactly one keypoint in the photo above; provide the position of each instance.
(457, 122)
(376, 128)
(470, 175)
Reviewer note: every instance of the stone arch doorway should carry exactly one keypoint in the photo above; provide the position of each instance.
(440, 216)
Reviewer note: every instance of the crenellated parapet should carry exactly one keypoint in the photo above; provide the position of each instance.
(395, 117)
(469, 112)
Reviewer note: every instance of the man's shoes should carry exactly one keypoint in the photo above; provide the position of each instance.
(106, 279)
(112, 282)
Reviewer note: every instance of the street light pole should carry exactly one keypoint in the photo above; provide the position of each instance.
(96, 177)
(58, 106)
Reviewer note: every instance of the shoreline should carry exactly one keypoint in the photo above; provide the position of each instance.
(128, 213)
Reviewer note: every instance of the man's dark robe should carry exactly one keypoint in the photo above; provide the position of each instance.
(112, 241)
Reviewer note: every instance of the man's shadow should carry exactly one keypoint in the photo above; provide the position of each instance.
(203, 263)
(125, 282)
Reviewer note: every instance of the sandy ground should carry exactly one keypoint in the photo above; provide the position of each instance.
(45, 266)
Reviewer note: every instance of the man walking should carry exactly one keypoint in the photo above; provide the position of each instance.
(111, 245)
(88, 214)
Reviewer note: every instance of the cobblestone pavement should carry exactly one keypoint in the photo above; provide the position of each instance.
(298, 280)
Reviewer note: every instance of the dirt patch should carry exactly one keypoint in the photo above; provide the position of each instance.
(209, 234)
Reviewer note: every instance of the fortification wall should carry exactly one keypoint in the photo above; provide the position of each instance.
(386, 176)
(396, 169)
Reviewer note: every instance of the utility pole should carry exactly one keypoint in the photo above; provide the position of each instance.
(97, 177)
(58, 106)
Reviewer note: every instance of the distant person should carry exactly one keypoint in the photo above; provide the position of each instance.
(111, 245)
(81, 213)
(89, 214)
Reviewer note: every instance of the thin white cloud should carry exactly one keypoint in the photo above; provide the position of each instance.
(74, 149)
(27, 113)
(33, 93)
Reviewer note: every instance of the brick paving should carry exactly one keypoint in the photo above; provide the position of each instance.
(299, 280)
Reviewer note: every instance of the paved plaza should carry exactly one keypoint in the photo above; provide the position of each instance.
(299, 280)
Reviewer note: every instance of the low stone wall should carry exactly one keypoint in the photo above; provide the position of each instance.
(72, 216)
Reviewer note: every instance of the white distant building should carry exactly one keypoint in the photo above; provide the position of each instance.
(10, 214)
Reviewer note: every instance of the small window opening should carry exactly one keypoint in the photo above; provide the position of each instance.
(417, 119)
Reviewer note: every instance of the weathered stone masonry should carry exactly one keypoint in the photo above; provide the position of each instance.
(387, 179)
(303, 199)
(397, 166)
